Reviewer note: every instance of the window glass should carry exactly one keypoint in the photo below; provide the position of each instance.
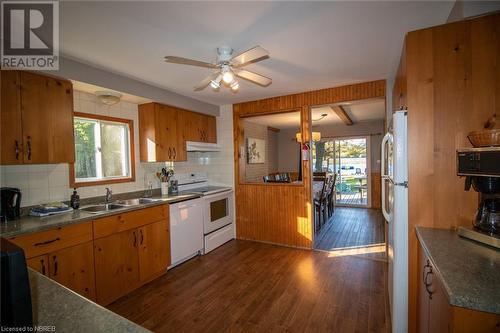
(102, 149)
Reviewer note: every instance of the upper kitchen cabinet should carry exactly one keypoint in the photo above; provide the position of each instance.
(199, 127)
(37, 119)
(11, 130)
(161, 137)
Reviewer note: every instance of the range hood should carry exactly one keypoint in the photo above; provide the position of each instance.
(201, 146)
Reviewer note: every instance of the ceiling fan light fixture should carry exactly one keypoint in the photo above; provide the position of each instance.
(214, 84)
(227, 77)
(235, 85)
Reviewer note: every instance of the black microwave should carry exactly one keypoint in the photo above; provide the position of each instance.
(479, 162)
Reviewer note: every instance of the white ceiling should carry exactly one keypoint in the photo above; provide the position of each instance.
(312, 44)
(358, 111)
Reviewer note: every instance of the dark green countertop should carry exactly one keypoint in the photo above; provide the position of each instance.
(470, 271)
(31, 224)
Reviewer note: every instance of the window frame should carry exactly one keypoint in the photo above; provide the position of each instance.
(130, 123)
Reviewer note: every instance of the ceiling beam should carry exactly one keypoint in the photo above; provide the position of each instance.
(340, 112)
(273, 129)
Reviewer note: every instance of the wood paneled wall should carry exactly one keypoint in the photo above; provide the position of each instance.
(376, 188)
(282, 213)
(451, 85)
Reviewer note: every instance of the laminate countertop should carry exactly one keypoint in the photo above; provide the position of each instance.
(58, 307)
(470, 271)
(31, 224)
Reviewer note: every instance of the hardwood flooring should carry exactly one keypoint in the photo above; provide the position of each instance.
(246, 286)
(353, 228)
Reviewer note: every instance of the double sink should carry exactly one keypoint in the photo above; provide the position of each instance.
(118, 204)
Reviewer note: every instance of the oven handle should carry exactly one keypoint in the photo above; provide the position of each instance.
(218, 194)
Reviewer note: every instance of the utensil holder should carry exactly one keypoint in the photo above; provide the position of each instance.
(164, 188)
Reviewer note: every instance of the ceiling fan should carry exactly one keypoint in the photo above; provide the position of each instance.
(227, 67)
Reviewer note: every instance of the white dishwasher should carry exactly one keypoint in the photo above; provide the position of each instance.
(186, 230)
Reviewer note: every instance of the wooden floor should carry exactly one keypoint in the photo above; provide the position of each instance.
(246, 286)
(349, 227)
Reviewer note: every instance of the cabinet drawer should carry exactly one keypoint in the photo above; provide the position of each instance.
(52, 240)
(117, 223)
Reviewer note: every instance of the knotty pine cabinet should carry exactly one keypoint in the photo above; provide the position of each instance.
(436, 315)
(37, 119)
(136, 254)
(164, 130)
(160, 134)
(199, 127)
(64, 254)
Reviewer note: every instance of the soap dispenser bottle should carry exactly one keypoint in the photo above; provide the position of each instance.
(74, 200)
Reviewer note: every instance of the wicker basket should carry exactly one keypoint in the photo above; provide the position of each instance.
(485, 138)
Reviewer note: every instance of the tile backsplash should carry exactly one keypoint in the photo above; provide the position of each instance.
(43, 183)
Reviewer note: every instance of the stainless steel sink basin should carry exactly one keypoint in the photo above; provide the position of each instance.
(102, 208)
(135, 202)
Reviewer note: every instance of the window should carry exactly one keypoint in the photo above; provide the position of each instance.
(104, 151)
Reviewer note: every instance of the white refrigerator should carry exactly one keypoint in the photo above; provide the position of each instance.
(395, 209)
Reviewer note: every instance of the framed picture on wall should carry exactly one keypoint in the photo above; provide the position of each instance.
(256, 151)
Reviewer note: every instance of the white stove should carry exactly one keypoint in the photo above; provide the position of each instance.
(218, 203)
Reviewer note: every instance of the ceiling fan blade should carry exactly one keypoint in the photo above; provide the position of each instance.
(205, 82)
(255, 54)
(253, 77)
(191, 62)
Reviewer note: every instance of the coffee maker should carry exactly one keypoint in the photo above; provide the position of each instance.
(481, 168)
(10, 203)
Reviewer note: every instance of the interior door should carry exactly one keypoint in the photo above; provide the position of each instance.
(116, 265)
(154, 249)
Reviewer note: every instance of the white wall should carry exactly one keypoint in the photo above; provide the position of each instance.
(218, 165)
(43, 183)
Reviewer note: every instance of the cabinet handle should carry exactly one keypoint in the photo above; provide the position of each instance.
(47, 242)
(142, 237)
(43, 266)
(55, 265)
(428, 284)
(17, 149)
(169, 152)
(175, 153)
(427, 265)
(135, 239)
(29, 147)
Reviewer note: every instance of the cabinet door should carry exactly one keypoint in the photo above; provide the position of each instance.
(154, 249)
(211, 129)
(116, 265)
(181, 153)
(193, 124)
(440, 311)
(47, 119)
(73, 267)
(166, 132)
(10, 113)
(423, 295)
(39, 264)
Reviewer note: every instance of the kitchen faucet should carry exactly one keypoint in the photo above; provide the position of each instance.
(109, 195)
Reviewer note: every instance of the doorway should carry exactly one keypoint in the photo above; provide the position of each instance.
(349, 158)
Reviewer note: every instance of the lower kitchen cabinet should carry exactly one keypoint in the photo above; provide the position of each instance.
(154, 249)
(116, 265)
(126, 260)
(72, 267)
(437, 315)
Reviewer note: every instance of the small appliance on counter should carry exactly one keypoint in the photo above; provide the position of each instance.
(16, 295)
(11, 203)
(481, 168)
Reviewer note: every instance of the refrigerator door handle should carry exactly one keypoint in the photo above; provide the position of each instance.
(385, 177)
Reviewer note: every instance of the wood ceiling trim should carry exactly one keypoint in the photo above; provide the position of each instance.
(340, 112)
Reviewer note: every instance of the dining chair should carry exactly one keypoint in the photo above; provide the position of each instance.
(331, 195)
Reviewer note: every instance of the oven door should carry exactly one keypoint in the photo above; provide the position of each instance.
(218, 211)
